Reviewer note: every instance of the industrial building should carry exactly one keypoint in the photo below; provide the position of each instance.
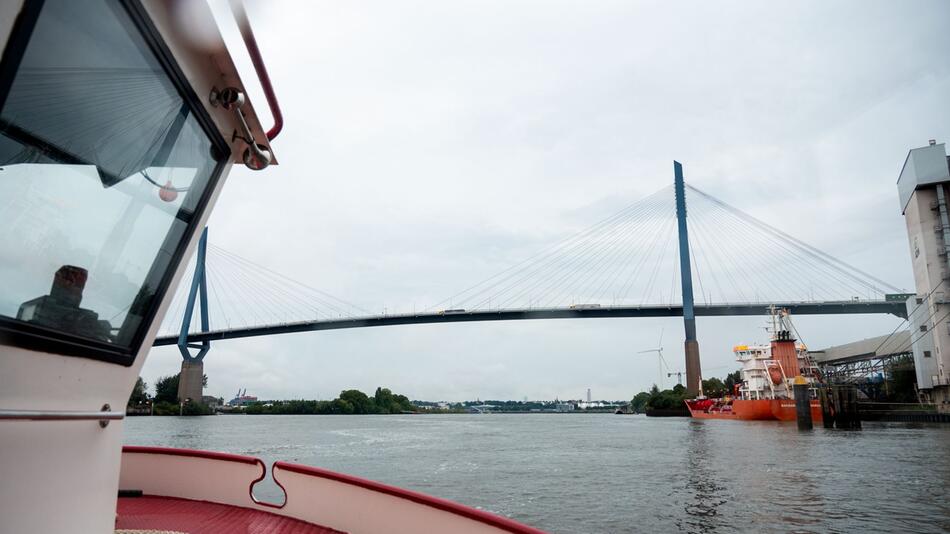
(923, 192)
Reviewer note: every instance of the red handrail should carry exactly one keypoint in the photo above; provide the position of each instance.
(497, 521)
(244, 25)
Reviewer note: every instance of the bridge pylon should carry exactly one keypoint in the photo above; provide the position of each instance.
(190, 381)
(691, 345)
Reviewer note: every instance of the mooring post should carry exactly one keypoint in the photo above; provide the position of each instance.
(827, 407)
(802, 403)
(844, 405)
(850, 407)
(691, 346)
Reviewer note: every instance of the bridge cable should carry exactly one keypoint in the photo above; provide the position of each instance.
(599, 258)
(749, 239)
(561, 263)
(919, 305)
(567, 244)
(328, 299)
(804, 246)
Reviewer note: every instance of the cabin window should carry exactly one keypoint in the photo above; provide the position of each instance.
(104, 167)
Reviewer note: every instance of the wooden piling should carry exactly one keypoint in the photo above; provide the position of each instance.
(843, 400)
(827, 407)
(854, 418)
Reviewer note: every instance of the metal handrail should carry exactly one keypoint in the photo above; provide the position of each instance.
(244, 26)
(103, 416)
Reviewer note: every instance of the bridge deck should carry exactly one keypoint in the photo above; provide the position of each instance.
(796, 308)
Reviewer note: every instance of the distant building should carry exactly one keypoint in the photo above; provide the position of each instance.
(242, 399)
(211, 402)
(563, 407)
(588, 395)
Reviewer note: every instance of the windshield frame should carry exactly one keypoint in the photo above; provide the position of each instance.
(34, 337)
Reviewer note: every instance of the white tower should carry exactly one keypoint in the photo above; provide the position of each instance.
(924, 196)
(588, 395)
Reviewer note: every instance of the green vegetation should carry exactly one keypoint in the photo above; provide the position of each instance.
(639, 402)
(714, 388)
(139, 394)
(189, 408)
(673, 398)
(350, 401)
(666, 399)
(166, 388)
(165, 401)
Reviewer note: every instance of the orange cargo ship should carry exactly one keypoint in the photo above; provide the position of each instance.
(749, 410)
(768, 373)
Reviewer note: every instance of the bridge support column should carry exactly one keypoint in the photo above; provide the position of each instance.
(691, 345)
(693, 369)
(190, 381)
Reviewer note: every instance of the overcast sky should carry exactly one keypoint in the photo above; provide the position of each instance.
(429, 145)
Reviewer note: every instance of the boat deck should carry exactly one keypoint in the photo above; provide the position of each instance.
(173, 515)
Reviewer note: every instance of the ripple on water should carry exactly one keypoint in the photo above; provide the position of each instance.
(578, 473)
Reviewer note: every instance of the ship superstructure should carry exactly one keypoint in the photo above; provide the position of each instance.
(768, 370)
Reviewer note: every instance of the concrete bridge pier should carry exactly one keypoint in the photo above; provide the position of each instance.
(190, 380)
(693, 368)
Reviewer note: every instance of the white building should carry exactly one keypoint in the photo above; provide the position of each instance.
(924, 193)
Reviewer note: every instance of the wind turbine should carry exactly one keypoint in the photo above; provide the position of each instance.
(660, 362)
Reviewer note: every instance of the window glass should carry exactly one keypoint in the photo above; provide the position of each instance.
(102, 165)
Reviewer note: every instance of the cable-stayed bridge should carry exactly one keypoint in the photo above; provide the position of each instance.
(649, 259)
(714, 310)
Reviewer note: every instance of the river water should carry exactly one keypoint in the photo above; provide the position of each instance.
(613, 473)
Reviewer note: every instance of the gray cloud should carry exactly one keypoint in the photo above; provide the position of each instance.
(430, 145)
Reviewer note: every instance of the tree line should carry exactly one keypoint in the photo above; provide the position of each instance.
(673, 398)
(165, 401)
(350, 401)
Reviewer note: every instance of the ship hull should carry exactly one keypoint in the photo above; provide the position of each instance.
(750, 410)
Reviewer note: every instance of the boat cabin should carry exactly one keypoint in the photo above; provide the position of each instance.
(119, 123)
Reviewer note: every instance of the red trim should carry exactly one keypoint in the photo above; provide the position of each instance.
(420, 498)
(416, 497)
(250, 42)
(210, 455)
(250, 489)
(168, 514)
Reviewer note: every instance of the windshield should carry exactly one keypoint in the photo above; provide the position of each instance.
(102, 167)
